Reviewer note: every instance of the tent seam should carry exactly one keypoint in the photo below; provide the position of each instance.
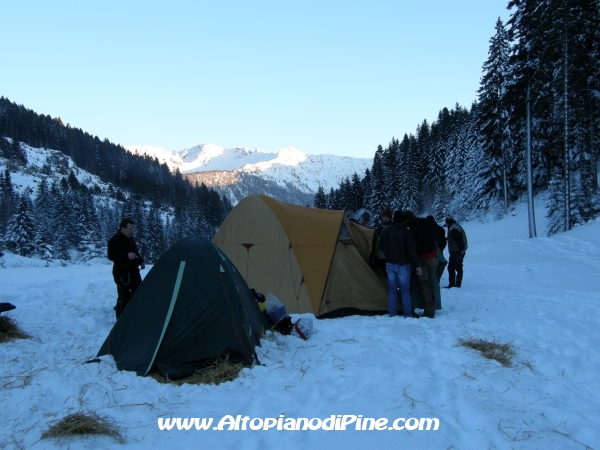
(169, 313)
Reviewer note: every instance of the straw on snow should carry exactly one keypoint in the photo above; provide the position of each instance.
(9, 330)
(83, 423)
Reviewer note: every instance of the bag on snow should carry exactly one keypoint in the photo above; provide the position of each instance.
(302, 328)
(275, 309)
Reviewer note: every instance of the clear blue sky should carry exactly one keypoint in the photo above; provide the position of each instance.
(323, 76)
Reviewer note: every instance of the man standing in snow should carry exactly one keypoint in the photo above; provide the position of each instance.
(377, 257)
(398, 245)
(424, 232)
(123, 252)
(457, 247)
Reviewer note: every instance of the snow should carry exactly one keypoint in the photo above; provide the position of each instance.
(542, 295)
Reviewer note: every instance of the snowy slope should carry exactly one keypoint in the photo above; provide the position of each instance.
(59, 165)
(542, 295)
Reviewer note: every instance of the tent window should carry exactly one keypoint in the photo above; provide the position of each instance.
(344, 236)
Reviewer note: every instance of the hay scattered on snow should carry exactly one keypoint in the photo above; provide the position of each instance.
(490, 349)
(9, 330)
(83, 423)
(219, 370)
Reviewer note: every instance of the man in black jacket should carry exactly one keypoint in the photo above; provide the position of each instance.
(424, 232)
(398, 245)
(377, 257)
(123, 252)
(440, 233)
(457, 247)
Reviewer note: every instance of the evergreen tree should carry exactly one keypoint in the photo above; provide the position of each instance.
(574, 34)
(421, 154)
(347, 201)
(61, 219)
(366, 183)
(91, 244)
(391, 174)
(378, 190)
(8, 200)
(456, 159)
(20, 232)
(17, 153)
(169, 232)
(524, 65)
(320, 198)
(43, 220)
(357, 192)
(441, 134)
(155, 246)
(411, 196)
(492, 114)
(4, 148)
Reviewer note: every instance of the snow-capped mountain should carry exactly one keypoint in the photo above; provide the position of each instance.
(289, 174)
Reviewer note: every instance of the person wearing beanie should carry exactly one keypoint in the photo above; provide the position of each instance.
(424, 233)
(398, 245)
(457, 247)
(377, 258)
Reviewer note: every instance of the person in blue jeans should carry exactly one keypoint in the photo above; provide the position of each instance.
(398, 245)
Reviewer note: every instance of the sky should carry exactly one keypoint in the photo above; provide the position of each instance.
(545, 303)
(323, 76)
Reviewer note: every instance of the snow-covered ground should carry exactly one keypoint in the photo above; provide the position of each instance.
(542, 295)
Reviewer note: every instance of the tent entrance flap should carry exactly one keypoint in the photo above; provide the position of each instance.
(169, 313)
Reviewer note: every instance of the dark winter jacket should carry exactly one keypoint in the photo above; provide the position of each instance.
(425, 238)
(375, 246)
(457, 241)
(119, 247)
(398, 244)
(440, 233)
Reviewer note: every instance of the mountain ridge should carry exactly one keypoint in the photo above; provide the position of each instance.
(240, 171)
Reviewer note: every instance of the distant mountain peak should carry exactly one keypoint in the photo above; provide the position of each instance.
(288, 168)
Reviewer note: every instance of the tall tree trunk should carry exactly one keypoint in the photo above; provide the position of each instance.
(567, 156)
(530, 208)
(504, 178)
(593, 150)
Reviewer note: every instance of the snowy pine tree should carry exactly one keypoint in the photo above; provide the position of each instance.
(555, 203)
(320, 198)
(43, 218)
(20, 231)
(491, 117)
(155, 239)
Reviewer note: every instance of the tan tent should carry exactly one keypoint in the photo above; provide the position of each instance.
(313, 260)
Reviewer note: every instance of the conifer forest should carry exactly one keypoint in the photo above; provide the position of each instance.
(533, 127)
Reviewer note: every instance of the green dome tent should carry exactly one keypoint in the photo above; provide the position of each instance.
(192, 306)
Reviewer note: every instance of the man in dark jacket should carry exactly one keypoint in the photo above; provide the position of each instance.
(123, 252)
(398, 245)
(424, 232)
(457, 247)
(377, 257)
(440, 233)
